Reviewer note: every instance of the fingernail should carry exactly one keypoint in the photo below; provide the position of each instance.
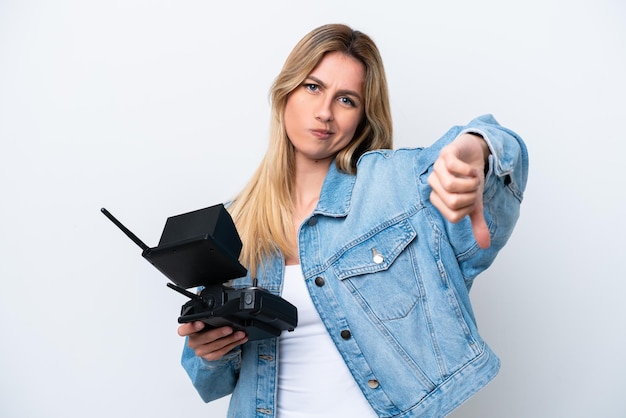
(198, 325)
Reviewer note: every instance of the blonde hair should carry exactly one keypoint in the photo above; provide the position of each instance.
(263, 210)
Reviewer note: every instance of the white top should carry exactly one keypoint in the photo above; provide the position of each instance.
(313, 380)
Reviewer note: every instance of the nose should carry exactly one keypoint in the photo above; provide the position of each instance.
(324, 111)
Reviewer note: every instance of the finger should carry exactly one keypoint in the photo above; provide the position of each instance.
(445, 211)
(197, 340)
(190, 328)
(479, 226)
(240, 339)
(213, 340)
(442, 179)
(454, 206)
(222, 346)
(450, 157)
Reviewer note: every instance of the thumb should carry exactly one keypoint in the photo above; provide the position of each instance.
(189, 328)
(479, 226)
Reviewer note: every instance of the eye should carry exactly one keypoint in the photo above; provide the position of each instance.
(314, 88)
(347, 101)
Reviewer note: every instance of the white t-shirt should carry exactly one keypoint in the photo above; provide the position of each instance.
(313, 380)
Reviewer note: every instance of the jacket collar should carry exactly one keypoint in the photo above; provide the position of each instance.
(336, 193)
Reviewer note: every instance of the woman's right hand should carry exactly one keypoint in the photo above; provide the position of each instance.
(212, 344)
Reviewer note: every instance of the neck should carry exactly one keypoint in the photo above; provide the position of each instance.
(309, 178)
(308, 181)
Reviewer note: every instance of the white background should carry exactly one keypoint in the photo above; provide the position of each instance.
(154, 108)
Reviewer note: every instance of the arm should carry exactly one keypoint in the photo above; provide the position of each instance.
(457, 183)
(212, 359)
(477, 195)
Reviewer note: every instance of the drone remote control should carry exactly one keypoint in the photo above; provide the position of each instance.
(201, 249)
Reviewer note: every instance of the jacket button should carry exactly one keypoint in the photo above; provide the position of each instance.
(319, 281)
(373, 384)
(345, 334)
(312, 221)
(377, 257)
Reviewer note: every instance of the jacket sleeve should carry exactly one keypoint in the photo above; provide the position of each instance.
(505, 182)
(212, 379)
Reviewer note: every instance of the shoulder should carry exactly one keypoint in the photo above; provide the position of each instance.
(388, 157)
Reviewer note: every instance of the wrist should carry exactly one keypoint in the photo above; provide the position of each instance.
(486, 152)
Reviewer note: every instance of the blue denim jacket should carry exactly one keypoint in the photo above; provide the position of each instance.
(390, 279)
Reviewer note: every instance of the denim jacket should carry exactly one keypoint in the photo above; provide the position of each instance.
(390, 278)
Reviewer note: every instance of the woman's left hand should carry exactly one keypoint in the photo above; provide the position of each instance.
(457, 183)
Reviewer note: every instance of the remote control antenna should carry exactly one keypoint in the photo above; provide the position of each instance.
(183, 291)
(124, 229)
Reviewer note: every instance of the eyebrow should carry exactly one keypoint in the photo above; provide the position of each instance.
(347, 92)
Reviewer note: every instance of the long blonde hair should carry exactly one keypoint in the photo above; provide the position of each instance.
(263, 210)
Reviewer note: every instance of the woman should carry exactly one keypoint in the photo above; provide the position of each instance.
(376, 248)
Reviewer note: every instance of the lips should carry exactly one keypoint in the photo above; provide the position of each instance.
(321, 133)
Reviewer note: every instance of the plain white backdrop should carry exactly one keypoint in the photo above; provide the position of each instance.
(154, 108)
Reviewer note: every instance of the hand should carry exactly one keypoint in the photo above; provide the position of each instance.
(212, 344)
(457, 183)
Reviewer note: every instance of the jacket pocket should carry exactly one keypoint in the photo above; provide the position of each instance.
(379, 270)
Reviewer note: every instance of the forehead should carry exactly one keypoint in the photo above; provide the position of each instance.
(340, 70)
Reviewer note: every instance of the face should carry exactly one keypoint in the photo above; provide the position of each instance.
(323, 113)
